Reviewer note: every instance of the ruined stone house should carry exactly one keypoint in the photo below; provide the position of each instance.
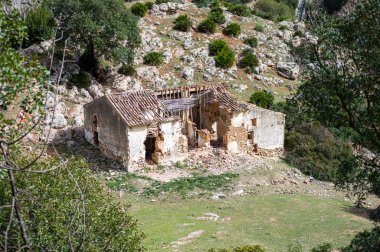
(148, 126)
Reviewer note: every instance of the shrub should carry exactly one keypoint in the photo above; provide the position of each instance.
(251, 41)
(80, 80)
(40, 24)
(149, 5)
(215, 4)
(139, 9)
(318, 153)
(161, 1)
(207, 26)
(216, 46)
(68, 202)
(182, 23)
(153, 58)
(232, 29)
(283, 28)
(225, 58)
(240, 10)
(299, 34)
(127, 70)
(259, 27)
(217, 16)
(249, 61)
(366, 241)
(273, 10)
(262, 99)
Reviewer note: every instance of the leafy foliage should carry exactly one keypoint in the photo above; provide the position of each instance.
(262, 99)
(153, 58)
(149, 5)
(69, 208)
(127, 70)
(232, 29)
(249, 61)
(345, 82)
(216, 46)
(239, 10)
(40, 24)
(104, 23)
(207, 26)
(273, 10)
(80, 80)
(318, 153)
(251, 41)
(259, 27)
(366, 241)
(185, 185)
(225, 58)
(182, 23)
(216, 15)
(139, 9)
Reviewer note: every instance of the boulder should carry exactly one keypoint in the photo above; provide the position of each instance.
(188, 73)
(188, 44)
(289, 70)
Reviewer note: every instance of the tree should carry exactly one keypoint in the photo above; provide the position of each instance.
(101, 26)
(182, 23)
(262, 99)
(343, 88)
(46, 204)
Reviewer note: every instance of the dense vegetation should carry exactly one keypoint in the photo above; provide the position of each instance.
(262, 98)
(153, 58)
(182, 23)
(207, 26)
(249, 61)
(232, 29)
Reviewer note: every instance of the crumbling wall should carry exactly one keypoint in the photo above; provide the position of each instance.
(171, 144)
(204, 138)
(136, 138)
(111, 128)
(269, 131)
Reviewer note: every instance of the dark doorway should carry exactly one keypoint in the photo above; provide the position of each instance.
(95, 130)
(150, 146)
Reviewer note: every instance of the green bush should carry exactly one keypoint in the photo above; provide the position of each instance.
(149, 5)
(273, 10)
(216, 46)
(207, 26)
(318, 153)
(162, 1)
(240, 10)
(259, 27)
(262, 99)
(217, 16)
(40, 24)
(127, 70)
(232, 29)
(225, 58)
(139, 9)
(247, 248)
(80, 80)
(182, 23)
(67, 202)
(153, 58)
(251, 41)
(283, 28)
(215, 4)
(366, 241)
(249, 61)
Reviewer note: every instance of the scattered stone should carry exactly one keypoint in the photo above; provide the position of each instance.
(188, 73)
(209, 216)
(289, 70)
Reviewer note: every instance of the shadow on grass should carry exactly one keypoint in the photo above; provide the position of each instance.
(363, 212)
(71, 142)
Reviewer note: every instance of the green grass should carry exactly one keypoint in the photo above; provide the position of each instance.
(274, 221)
(125, 182)
(183, 186)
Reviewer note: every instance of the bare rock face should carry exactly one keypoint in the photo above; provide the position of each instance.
(289, 70)
(124, 83)
(188, 73)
